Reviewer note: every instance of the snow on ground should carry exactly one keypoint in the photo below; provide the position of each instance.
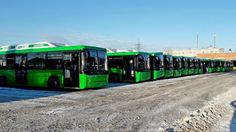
(194, 103)
(14, 94)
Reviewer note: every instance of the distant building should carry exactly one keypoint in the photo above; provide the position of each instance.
(195, 52)
(118, 50)
(226, 56)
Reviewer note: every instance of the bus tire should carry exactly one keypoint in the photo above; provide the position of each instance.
(114, 78)
(53, 83)
(3, 81)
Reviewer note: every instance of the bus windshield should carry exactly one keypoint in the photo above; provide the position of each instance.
(143, 62)
(94, 61)
(177, 63)
(158, 62)
(168, 63)
(207, 64)
(196, 64)
(221, 63)
(184, 63)
(225, 64)
(191, 63)
(200, 64)
(217, 64)
(212, 64)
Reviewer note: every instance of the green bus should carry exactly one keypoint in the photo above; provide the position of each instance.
(209, 65)
(214, 67)
(177, 66)
(200, 71)
(129, 66)
(184, 64)
(190, 65)
(157, 65)
(196, 65)
(227, 67)
(219, 65)
(224, 66)
(234, 64)
(168, 63)
(54, 66)
(204, 65)
(231, 66)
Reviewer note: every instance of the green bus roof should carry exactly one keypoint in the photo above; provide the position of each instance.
(178, 57)
(189, 57)
(156, 53)
(126, 53)
(219, 59)
(51, 49)
(168, 55)
(206, 59)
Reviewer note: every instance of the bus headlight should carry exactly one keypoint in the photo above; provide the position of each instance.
(132, 73)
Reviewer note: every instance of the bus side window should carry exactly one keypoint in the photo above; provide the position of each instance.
(55, 60)
(101, 60)
(147, 61)
(3, 62)
(115, 62)
(37, 61)
(30, 61)
(10, 59)
(20, 61)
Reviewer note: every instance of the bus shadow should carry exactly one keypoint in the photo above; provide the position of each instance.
(114, 85)
(232, 72)
(8, 94)
(233, 120)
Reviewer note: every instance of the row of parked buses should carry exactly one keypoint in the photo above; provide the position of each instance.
(141, 66)
(57, 66)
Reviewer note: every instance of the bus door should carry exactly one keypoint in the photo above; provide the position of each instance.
(71, 70)
(20, 69)
(128, 71)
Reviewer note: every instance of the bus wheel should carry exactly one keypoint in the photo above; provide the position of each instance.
(3, 81)
(114, 78)
(53, 83)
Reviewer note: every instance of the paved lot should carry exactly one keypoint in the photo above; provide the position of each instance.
(194, 103)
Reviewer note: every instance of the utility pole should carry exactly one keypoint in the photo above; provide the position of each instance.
(214, 40)
(197, 40)
(138, 46)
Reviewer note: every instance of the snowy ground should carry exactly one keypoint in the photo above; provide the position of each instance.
(195, 103)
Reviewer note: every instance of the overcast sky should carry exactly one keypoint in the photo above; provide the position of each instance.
(158, 24)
